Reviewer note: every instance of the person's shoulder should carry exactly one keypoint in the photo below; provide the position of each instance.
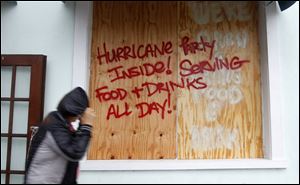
(55, 120)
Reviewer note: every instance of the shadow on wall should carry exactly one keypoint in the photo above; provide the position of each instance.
(8, 4)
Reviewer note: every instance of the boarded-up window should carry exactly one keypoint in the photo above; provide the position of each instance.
(175, 80)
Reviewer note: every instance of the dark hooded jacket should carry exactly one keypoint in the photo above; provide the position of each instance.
(56, 148)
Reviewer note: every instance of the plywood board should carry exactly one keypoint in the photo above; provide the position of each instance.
(175, 80)
(222, 120)
(132, 54)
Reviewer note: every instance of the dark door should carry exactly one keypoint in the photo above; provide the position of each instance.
(22, 105)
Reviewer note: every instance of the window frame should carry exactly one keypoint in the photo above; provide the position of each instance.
(271, 99)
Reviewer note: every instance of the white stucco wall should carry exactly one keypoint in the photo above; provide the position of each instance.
(42, 28)
(48, 28)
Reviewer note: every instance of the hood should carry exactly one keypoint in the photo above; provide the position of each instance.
(74, 103)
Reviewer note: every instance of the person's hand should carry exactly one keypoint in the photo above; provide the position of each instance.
(88, 116)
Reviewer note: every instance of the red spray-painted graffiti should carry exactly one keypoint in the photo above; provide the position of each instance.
(187, 68)
(144, 109)
(193, 46)
(189, 71)
(133, 52)
(146, 69)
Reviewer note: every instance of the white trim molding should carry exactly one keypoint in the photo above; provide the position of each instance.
(275, 123)
(121, 165)
(271, 98)
(82, 44)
